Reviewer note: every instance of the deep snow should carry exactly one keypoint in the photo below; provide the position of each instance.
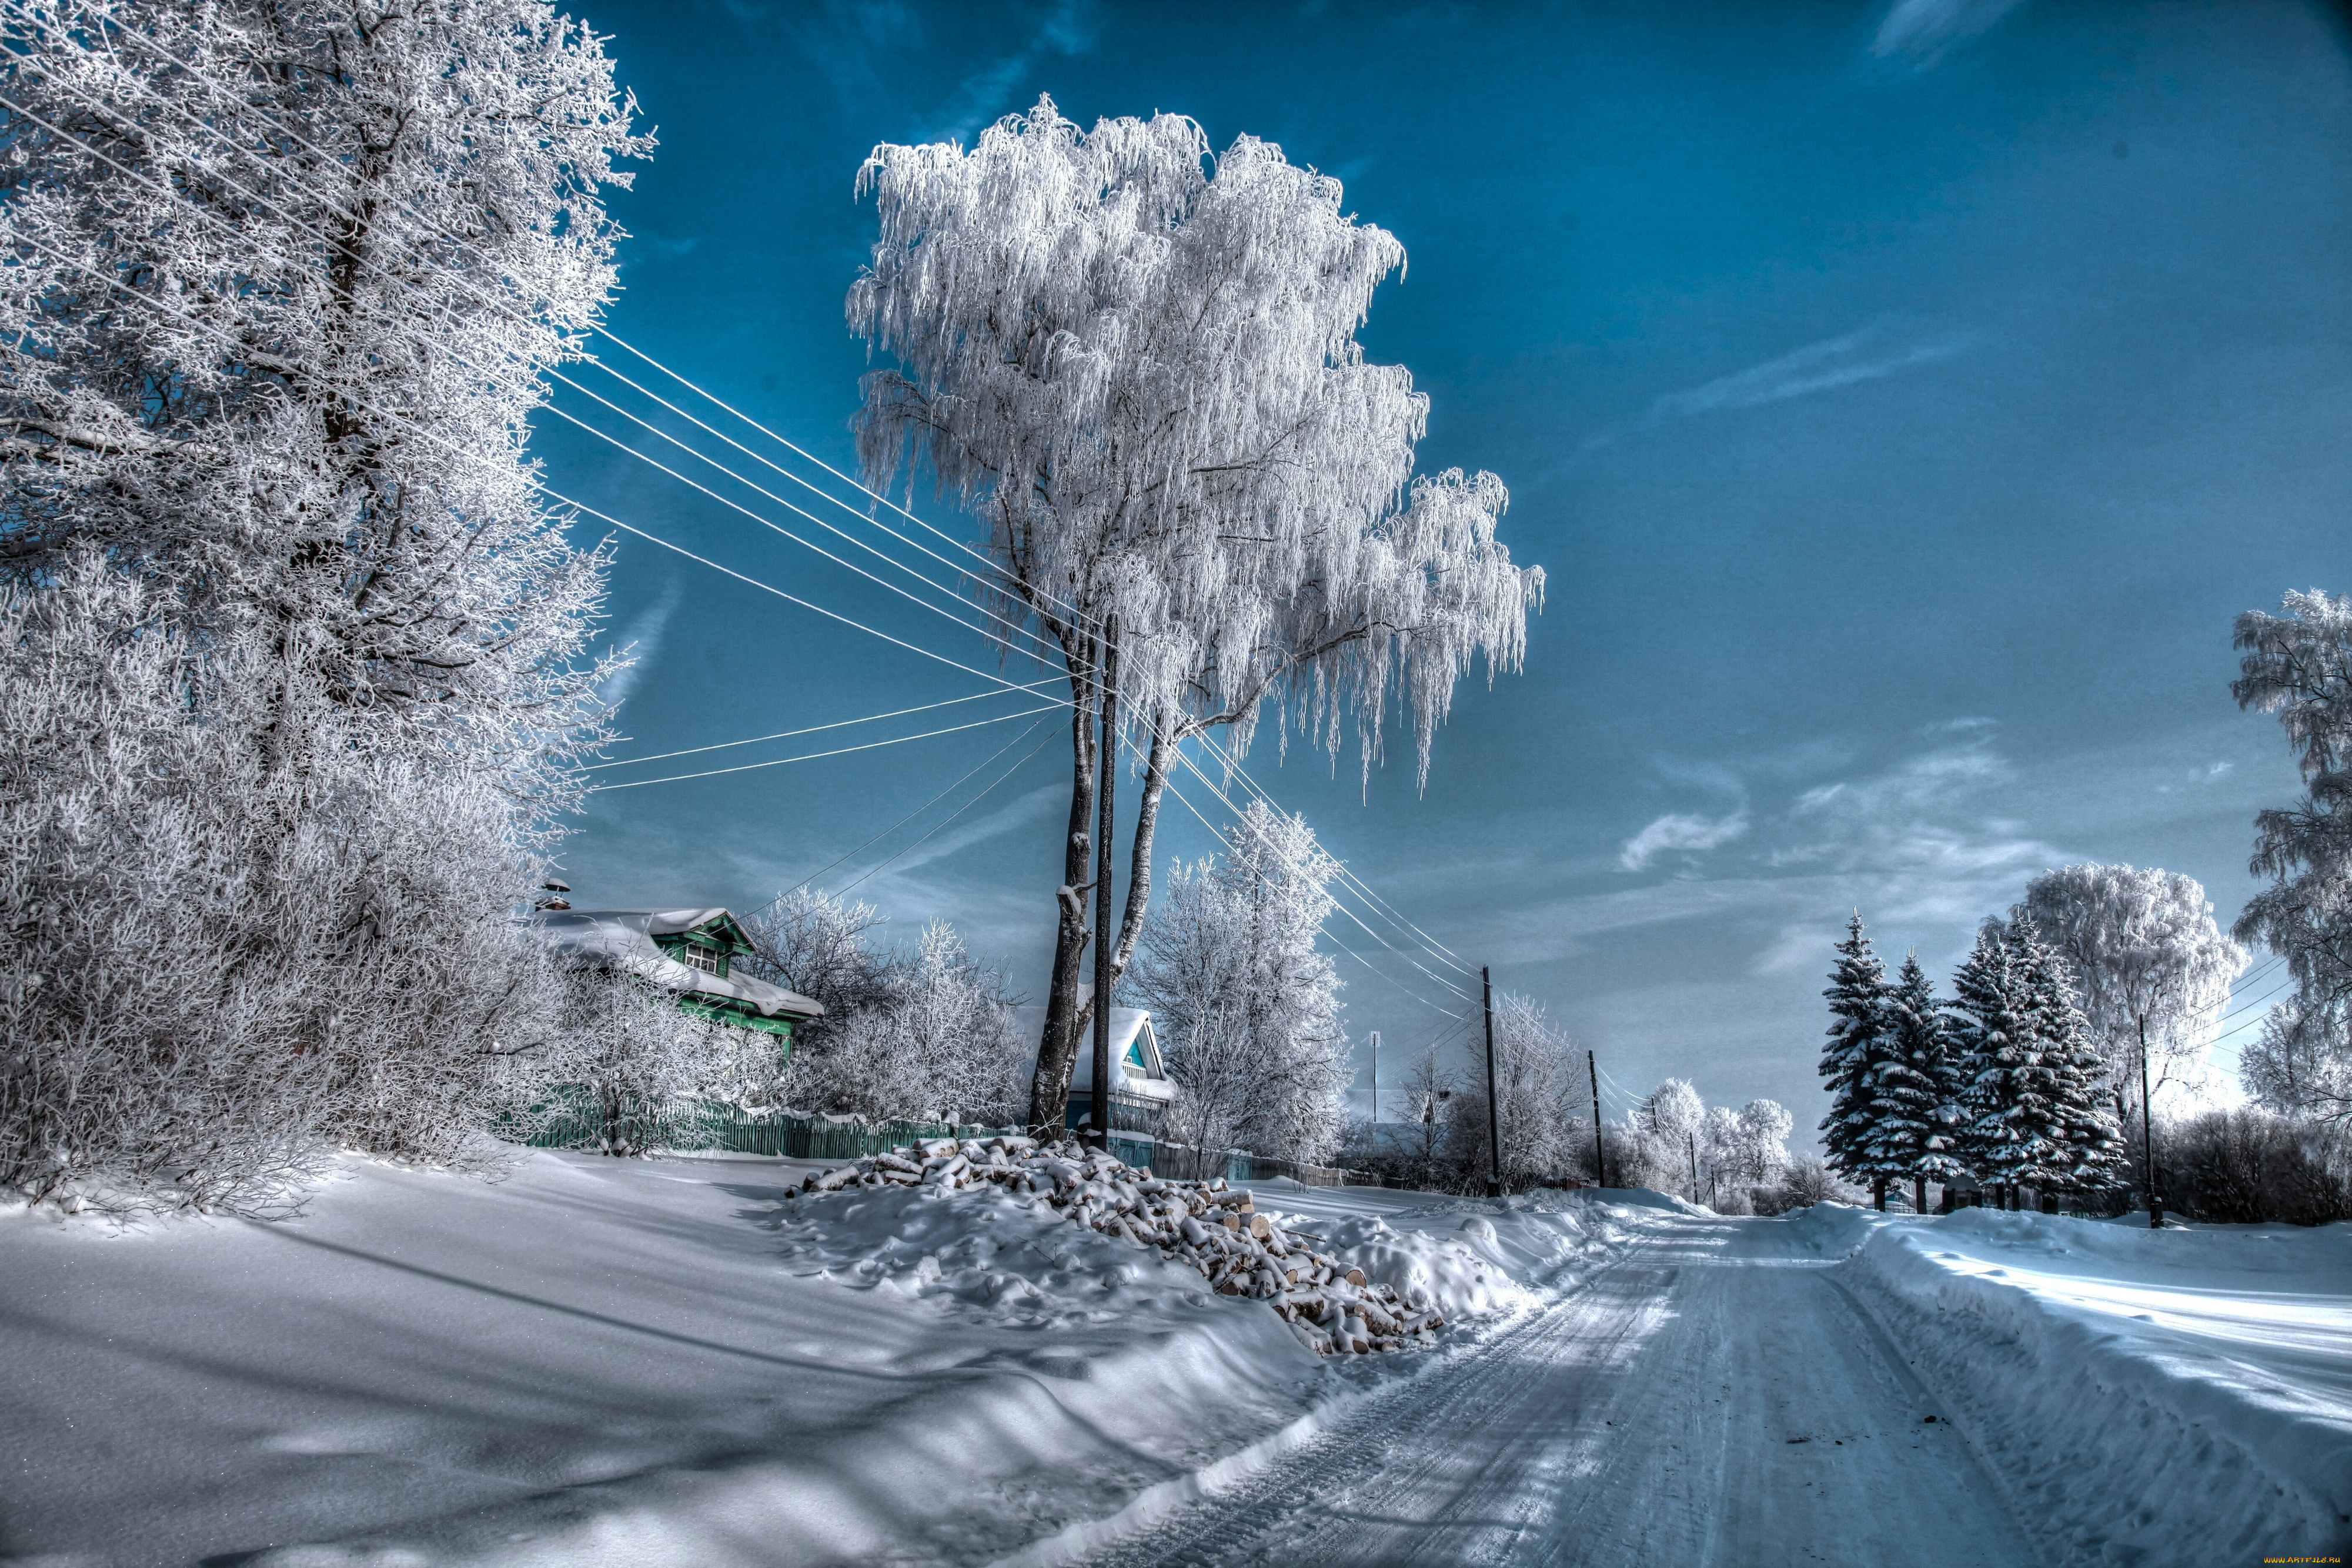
(2174, 1396)
(640, 1362)
(665, 1362)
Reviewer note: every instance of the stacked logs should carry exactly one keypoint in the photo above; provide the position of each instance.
(1205, 1225)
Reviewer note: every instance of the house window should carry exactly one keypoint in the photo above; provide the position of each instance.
(701, 958)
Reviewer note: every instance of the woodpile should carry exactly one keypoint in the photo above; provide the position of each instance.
(1205, 1225)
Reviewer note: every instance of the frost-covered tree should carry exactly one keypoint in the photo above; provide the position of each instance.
(1538, 1096)
(1857, 1044)
(2298, 665)
(2148, 965)
(1672, 1119)
(1137, 365)
(2295, 1068)
(926, 1035)
(636, 1054)
(1247, 1008)
(1915, 1093)
(819, 943)
(281, 280)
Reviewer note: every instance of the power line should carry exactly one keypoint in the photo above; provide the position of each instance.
(561, 412)
(1443, 1012)
(1435, 948)
(900, 822)
(1210, 786)
(1079, 616)
(532, 480)
(959, 811)
(816, 756)
(812, 729)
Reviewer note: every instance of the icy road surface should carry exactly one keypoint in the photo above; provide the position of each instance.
(1716, 1397)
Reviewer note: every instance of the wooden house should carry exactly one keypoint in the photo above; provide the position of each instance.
(691, 952)
(1141, 1088)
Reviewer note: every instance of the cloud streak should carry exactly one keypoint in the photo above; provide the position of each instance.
(1923, 31)
(1680, 832)
(1820, 366)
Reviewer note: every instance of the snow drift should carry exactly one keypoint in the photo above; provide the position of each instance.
(2170, 1397)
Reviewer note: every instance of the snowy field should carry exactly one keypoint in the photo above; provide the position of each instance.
(662, 1362)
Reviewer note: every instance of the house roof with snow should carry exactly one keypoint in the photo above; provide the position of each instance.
(688, 952)
(1136, 1068)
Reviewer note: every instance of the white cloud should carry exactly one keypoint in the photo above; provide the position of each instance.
(1922, 31)
(641, 641)
(1817, 367)
(1680, 832)
(986, 95)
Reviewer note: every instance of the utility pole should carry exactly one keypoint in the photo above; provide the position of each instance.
(2148, 1135)
(1107, 821)
(1376, 1088)
(1600, 1156)
(1493, 1117)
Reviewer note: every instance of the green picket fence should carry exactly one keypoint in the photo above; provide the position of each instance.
(702, 1126)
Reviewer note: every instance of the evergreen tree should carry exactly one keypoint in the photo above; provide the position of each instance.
(1914, 1106)
(1989, 1029)
(1858, 1042)
(2015, 1133)
(2088, 1145)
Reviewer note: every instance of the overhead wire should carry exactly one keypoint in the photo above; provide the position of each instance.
(1351, 879)
(948, 820)
(1080, 618)
(816, 756)
(811, 730)
(561, 412)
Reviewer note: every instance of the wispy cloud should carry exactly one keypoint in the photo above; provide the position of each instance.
(641, 641)
(1825, 366)
(1923, 31)
(1680, 832)
(988, 93)
(1014, 814)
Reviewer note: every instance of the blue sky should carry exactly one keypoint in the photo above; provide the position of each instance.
(1902, 402)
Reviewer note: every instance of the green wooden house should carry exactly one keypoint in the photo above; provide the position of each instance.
(691, 954)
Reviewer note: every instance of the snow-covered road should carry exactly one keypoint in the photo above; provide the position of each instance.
(1715, 1398)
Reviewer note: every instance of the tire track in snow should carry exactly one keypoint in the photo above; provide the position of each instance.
(1710, 1399)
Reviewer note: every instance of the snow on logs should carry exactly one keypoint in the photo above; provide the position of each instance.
(1205, 1225)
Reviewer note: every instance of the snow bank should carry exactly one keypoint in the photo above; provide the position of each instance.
(659, 1362)
(1202, 1226)
(2171, 1396)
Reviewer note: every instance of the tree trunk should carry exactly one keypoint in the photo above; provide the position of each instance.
(1878, 1193)
(1139, 865)
(1057, 1049)
(1920, 1195)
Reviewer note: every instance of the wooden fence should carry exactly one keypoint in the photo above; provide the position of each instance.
(701, 1126)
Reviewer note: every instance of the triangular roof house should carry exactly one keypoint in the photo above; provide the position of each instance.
(689, 953)
(1140, 1089)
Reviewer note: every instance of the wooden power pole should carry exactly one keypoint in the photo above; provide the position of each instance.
(1105, 822)
(1376, 1089)
(1600, 1156)
(1494, 1117)
(2147, 1136)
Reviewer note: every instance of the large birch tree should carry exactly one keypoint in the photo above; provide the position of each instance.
(1136, 364)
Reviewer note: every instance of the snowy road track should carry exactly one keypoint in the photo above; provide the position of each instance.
(1715, 1398)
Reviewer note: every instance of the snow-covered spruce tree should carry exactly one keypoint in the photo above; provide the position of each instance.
(2015, 1133)
(281, 278)
(1914, 1110)
(1857, 1044)
(1248, 1009)
(2088, 1146)
(1136, 364)
(2298, 665)
(2147, 964)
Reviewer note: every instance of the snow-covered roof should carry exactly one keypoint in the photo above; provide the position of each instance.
(624, 938)
(1136, 1065)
